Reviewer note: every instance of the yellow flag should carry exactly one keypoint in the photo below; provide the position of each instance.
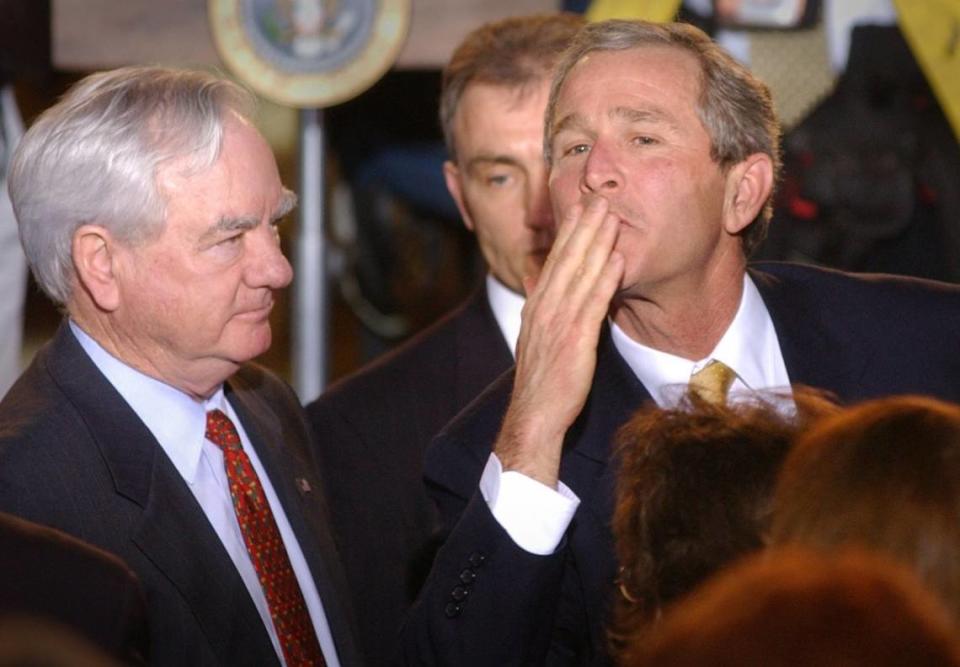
(658, 11)
(932, 29)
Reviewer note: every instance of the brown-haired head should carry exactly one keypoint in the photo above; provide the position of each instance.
(884, 474)
(515, 52)
(795, 607)
(693, 493)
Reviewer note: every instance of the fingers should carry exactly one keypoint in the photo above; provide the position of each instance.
(597, 304)
(556, 351)
(579, 263)
(577, 229)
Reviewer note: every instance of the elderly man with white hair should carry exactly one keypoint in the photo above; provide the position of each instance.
(148, 207)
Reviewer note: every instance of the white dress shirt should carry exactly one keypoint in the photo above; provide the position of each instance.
(506, 306)
(537, 516)
(178, 422)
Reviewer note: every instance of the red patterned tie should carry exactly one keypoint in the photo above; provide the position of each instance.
(269, 558)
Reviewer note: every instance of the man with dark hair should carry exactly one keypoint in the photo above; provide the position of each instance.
(148, 206)
(663, 153)
(373, 427)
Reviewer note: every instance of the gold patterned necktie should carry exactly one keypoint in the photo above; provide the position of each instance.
(265, 546)
(712, 382)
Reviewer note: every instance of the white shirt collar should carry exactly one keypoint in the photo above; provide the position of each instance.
(176, 420)
(749, 346)
(507, 306)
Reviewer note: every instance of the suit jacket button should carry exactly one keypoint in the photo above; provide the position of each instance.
(460, 593)
(453, 609)
(467, 577)
(476, 559)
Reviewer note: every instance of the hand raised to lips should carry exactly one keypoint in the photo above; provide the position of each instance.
(557, 348)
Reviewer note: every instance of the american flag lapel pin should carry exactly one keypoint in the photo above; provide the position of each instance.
(303, 485)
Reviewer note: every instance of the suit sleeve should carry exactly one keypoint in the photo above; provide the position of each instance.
(486, 601)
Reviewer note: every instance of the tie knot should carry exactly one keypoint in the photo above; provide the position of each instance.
(221, 431)
(712, 382)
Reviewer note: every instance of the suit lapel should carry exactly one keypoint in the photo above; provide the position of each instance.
(173, 533)
(615, 395)
(282, 451)
(481, 352)
(815, 352)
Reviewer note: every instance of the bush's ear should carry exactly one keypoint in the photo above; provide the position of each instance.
(95, 263)
(453, 176)
(749, 184)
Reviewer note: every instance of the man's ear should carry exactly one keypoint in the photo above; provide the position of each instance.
(94, 257)
(451, 174)
(749, 183)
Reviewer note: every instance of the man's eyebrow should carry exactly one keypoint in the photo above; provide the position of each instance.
(225, 225)
(288, 202)
(577, 122)
(635, 115)
(572, 121)
(485, 159)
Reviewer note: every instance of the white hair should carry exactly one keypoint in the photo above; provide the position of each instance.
(93, 157)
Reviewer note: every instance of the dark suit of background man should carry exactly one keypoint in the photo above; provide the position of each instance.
(663, 154)
(373, 428)
(148, 208)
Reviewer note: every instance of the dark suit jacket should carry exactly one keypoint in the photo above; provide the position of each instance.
(488, 602)
(74, 455)
(371, 431)
(47, 574)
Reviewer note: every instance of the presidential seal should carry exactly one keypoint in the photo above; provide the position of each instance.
(309, 53)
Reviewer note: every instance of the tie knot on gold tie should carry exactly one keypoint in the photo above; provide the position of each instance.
(712, 382)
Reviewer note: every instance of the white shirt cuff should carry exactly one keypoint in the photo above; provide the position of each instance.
(534, 515)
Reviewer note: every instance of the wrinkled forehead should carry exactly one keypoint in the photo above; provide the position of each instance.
(646, 61)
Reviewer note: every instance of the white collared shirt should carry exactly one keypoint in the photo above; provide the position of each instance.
(537, 516)
(178, 422)
(506, 306)
(749, 346)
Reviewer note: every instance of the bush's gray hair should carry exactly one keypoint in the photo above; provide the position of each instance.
(734, 106)
(93, 157)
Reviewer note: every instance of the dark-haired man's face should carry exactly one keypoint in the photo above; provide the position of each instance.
(500, 179)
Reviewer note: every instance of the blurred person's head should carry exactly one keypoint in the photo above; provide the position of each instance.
(797, 608)
(884, 474)
(36, 641)
(693, 492)
(492, 102)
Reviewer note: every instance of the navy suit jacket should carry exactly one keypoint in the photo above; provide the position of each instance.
(489, 602)
(74, 456)
(371, 431)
